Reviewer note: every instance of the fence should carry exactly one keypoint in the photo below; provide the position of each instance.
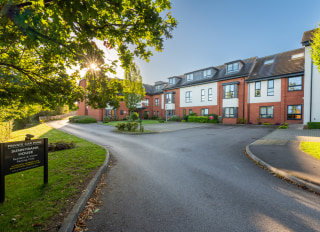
(47, 118)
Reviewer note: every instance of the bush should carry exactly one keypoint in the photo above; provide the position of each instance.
(283, 127)
(313, 125)
(134, 116)
(154, 117)
(183, 120)
(266, 123)
(286, 124)
(185, 117)
(215, 121)
(127, 118)
(175, 118)
(161, 121)
(82, 119)
(201, 119)
(106, 119)
(145, 115)
(193, 114)
(121, 126)
(241, 121)
(215, 116)
(129, 126)
(5, 130)
(134, 126)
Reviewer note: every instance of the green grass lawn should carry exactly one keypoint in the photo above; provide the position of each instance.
(312, 148)
(32, 206)
(144, 122)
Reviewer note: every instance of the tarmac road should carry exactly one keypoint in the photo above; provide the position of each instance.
(194, 180)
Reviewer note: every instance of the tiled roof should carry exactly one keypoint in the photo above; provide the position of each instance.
(283, 64)
(307, 37)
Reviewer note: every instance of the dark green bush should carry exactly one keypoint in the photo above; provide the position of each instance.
(283, 127)
(82, 119)
(313, 125)
(215, 116)
(106, 119)
(193, 114)
(185, 117)
(134, 116)
(145, 115)
(129, 126)
(215, 121)
(121, 126)
(241, 121)
(175, 118)
(154, 117)
(161, 121)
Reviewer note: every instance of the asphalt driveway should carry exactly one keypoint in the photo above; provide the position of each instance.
(194, 179)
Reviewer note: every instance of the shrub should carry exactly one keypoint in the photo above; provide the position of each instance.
(121, 126)
(215, 116)
(5, 130)
(82, 119)
(142, 128)
(266, 123)
(129, 126)
(241, 121)
(283, 127)
(183, 120)
(313, 125)
(154, 117)
(134, 116)
(286, 124)
(106, 119)
(134, 125)
(127, 118)
(175, 118)
(161, 121)
(202, 119)
(193, 114)
(185, 117)
(215, 121)
(145, 115)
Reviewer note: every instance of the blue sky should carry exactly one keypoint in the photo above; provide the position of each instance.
(211, 33)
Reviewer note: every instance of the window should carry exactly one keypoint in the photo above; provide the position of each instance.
(296, 56)
(233, 67)
(188, 96)
(270, 87)
(210, 94)
(294, 83)
(266, 111)
(158, 114)
(158, 88)
(156, 102)
(230, 112)
(202, 95)
(170, 98)
(230, 91)
(204, 112)
(172, 81)
(294, 112)
(146, 102)
(190, 77)
(184, 112)
(207, 73)
(170, 113)
(268, 61)
(257, 92)
(154, 112)
(121, 112)
(190, 111)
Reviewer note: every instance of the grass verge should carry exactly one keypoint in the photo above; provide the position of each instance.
(311, 148)
(144, 122)
(32, 206)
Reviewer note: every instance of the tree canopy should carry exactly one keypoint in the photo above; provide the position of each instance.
(133, 90)
(315, 45)
(41, 39)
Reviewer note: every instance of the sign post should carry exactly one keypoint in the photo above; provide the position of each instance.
(20, 156)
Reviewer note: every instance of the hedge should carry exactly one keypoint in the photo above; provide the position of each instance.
(313, 125)
(82, 119)
(202, 119)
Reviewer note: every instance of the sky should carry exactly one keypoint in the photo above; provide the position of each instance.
(213, 32)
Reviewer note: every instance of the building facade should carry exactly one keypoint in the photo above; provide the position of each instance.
(276, 89)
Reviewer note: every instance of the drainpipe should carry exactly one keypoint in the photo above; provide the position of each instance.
(249, 102)
(243, 102)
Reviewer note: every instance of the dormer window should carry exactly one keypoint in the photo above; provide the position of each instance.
(207, 73)
(158, 88)
(190, 77)
(172, 81)
(234, 67)
(269, 62)
(296, 56)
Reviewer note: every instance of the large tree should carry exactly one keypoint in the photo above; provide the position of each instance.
(315, 45)
(133, 90)
(41, 39)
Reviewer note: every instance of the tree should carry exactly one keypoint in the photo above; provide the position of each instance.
(133, 90)
(40, 39)
(315, 48)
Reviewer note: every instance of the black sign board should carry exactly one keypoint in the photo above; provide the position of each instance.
(20, 156)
